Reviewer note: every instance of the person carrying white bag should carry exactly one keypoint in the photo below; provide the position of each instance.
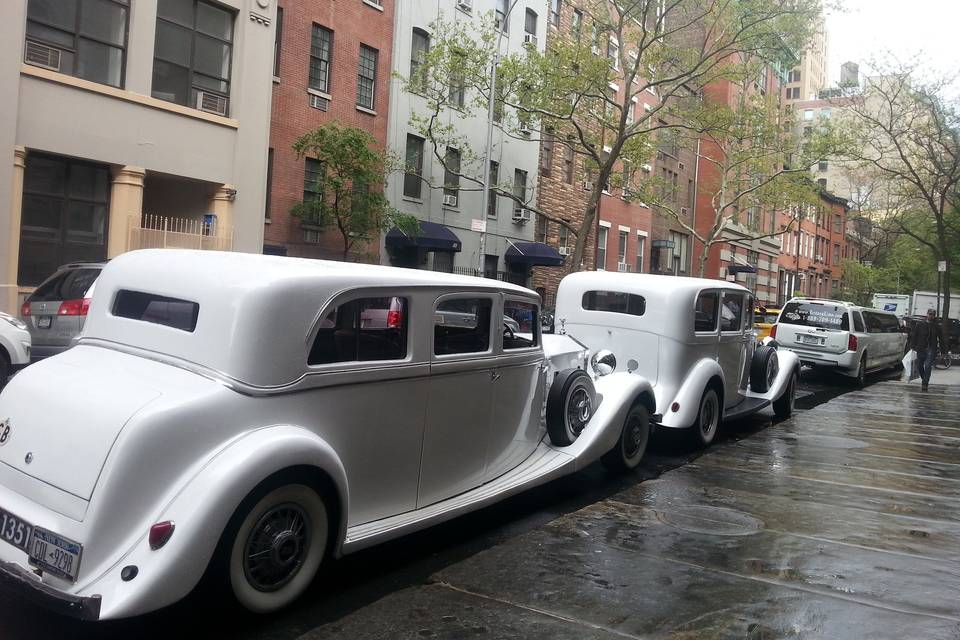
(910, 369)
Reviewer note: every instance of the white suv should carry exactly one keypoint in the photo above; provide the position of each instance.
(840, 335)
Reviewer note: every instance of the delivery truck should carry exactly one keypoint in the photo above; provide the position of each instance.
(923, 300)
(897, 303)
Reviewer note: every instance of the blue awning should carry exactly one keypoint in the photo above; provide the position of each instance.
(432, 237)
(735, 269)
(534, 254)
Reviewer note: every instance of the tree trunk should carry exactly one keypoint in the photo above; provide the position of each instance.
(704, 255)
(346, 245)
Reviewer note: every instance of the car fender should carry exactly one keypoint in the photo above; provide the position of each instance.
(688, 396)
(15, 343)
(789, 365)
(200, 512)
(616, 393)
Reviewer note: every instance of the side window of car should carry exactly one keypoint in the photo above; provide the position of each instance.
(705, 312)
(857, 322)
(521, 325)
(364, 329)
(462, 325)
(873, 322)
(890, 324)
(731, 313)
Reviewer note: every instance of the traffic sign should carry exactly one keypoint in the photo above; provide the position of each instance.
(942, 266)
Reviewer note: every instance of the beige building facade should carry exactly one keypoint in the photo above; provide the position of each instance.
(809, 77)
(130, 124)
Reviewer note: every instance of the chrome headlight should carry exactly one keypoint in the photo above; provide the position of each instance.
(603, 362)
(17, 322)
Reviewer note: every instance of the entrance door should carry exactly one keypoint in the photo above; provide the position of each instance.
(733, 345)
(461, 397)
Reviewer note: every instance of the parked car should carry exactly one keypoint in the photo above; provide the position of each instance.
(14, 346)
(56, 311)
(693, 339)
(247, 417)
(849, 339)
(763, 321)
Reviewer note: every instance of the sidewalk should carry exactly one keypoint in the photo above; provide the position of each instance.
(842, 522)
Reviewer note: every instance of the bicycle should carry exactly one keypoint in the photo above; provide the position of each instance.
(943, 361)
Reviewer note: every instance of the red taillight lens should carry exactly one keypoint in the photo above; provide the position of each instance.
(773, 331)
(852, 343)
(74, 307)
(160, 534)
(394, 319)
(25, 310)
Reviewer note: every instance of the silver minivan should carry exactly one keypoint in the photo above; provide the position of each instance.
(839, 335)
(55, 312)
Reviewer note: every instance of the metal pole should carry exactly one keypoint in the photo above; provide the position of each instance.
(485, 206)
(939, 278)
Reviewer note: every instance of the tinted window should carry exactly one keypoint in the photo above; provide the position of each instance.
(705, 313)
(614, 302)
(362, 330)
(525, 333)
(814, 314)
(462, 326)
(876, 322)
(149, 307)
(858, 322)
(71, 284)
(732, 312)
(767, 318)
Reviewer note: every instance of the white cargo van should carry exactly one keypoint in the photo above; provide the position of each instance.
(892, 302)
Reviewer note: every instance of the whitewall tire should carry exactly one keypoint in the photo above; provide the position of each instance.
(708, 418)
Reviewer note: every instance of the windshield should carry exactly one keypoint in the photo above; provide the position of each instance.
(815, 314)
(767, 318)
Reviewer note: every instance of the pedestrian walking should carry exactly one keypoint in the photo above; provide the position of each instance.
(926, 338)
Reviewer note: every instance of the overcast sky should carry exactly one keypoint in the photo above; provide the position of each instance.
(872, 27)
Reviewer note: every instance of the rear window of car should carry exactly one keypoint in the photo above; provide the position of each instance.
(767, 318)
(615, 302)
(365, 329)
(812, 314)
(69, 284)
(155, 309)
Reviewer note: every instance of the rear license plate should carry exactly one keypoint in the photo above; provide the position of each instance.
(14, 530)
(55, 554)
(805, 339)
(44, 322)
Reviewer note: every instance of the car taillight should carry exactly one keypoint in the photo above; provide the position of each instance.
(25, 310)
(393, 319)
(160, 534)
(74, 307)
(852, 343)
(773, 331)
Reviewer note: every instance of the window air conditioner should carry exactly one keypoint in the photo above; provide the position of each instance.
(211, 103)
(449, 201)
(587, 185)
(564, 251)
(319, 102)
(530, 38)
(465, 5)
(623, 267)
(521, 215)
(40, 55)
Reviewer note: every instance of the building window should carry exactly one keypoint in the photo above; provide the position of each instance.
(794, 76)
(540, 231)
(321, 50)
(520, 187)
(277, 42)
(530, 22)
(419, 47)
(458, 81)
(793, 93)
(564, 239)
(622, 247)
(191, 64)
(822, 166)
(808, 115)
(412, 183)
(556, 7)
(451, 174)
(576, 23)
(836, 254)
(602, 249)
(500, 15)
(266, 204)
(546, 154)
(492, 194)
(82, 38)
(613, 54)
(837, 223)
(64, 215)
(568, 163)
(641, 240)
(678, 253)
(366, 77)
(312, 189)
(822, 182)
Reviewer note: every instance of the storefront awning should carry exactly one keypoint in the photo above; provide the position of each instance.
(533, 254)
(432, 237)
(735, 269)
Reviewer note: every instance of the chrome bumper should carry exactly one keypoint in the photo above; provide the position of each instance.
(18, 582)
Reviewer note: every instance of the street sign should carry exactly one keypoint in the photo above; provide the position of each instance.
(478, 225)
(942, 266)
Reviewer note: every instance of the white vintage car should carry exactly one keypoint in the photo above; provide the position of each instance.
(246, 417)
(691, 339)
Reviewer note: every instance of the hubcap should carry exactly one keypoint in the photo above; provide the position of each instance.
(708, 414)
(579, 410)
(276, 547)
(633, 439)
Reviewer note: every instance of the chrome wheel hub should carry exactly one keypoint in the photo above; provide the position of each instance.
(579, 410)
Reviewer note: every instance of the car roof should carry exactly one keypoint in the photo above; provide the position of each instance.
(843, 303)
(648, 282)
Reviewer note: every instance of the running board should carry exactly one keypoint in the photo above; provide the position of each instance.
(543, 465)
(745, 408)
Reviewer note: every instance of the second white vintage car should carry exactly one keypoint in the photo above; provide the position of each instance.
(246, 417)
(691, 339)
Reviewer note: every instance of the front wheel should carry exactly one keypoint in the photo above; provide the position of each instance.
(708, 418)
(4, 369)
(632, 443)
(277, 547)
(783, 406)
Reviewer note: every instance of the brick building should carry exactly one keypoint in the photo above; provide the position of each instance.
(332, 62)
(812, 255)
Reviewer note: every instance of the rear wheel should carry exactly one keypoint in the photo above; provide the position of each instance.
(783, 406)
(708, 418)
(632, 443)
(861, 380)
(274, 546)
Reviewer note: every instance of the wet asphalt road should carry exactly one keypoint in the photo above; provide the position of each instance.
(406, 569)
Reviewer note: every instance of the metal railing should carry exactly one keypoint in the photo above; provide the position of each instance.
(151, 231)
(503, 276)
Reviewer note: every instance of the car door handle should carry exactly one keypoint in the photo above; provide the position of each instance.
(494, 376)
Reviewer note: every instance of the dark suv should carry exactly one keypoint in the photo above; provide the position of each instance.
(56, 311)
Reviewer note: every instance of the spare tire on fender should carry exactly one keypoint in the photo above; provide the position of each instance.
(570, 404)
(763, 369)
